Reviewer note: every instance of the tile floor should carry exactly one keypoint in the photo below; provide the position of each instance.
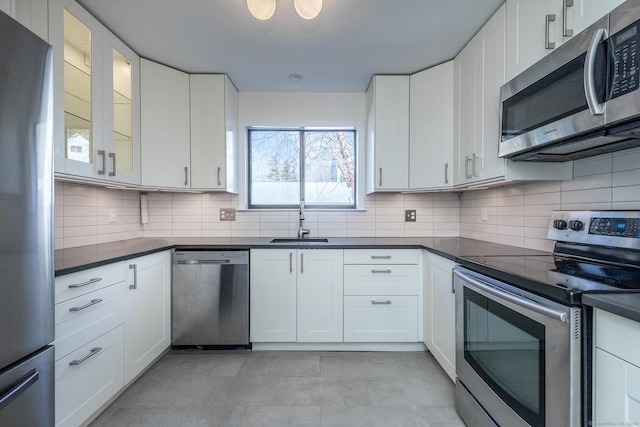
(255, 388)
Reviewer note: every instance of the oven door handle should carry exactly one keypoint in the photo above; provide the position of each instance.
(513, 298)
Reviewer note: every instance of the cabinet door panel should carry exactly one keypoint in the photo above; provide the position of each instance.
(320, 296)
(165, 126)
(273, 295)
(147, 311)
(381, 318)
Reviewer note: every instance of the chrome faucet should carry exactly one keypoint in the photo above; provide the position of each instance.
(301, 231)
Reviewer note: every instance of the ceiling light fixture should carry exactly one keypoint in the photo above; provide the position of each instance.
(264, 9)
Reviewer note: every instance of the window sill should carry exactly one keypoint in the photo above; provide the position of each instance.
(305, 209)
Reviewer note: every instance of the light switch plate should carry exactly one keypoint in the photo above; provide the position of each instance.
(227, 214)
(112, 216)
(410, 215)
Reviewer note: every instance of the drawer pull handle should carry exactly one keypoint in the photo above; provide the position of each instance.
(94, 351)
(88, 282)
(387, 302)
(380, 256)
(374, 271)
(89, 304)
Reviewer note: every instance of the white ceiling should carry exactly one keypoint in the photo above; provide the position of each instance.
(338, 51)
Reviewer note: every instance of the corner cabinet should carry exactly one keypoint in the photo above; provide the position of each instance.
(479, 74)
(439, 319)
(165, 126)
(96, 98)
(296, 295)
(431, 128)
(387, 102)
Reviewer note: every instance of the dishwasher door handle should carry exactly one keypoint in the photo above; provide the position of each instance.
(203, 261)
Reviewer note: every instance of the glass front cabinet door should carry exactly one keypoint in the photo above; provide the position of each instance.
(95, 98)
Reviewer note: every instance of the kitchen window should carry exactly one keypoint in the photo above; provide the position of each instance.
(316, 166)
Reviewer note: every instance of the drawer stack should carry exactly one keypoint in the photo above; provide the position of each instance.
(381, 295)
(89, 345)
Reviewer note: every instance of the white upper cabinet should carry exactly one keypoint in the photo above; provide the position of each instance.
(589, 11)
(30, 13)
(431, 128)
(95, 98)
(479, 74)
(214, 132)
(388, 134)
(165, 126)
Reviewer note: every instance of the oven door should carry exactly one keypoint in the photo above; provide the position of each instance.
(561, 96)
(517, 354)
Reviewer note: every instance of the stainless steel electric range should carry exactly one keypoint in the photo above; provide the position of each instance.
(523, 336)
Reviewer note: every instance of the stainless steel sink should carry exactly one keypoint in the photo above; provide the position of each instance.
(299, 241)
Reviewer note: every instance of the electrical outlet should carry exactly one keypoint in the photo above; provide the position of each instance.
(410, 215)
(112, 216)
(227, 214)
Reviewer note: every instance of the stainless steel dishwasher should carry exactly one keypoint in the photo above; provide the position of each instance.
(210, 298)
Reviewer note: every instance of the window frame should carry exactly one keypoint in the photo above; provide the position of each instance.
(301, 164)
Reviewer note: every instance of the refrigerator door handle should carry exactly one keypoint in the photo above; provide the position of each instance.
(18, 388)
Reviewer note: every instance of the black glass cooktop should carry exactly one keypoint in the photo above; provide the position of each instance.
(558, 277)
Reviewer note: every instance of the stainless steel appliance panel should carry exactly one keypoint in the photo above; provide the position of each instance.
(26, 193)
(26, 391)
(210, 298)
(517, 354)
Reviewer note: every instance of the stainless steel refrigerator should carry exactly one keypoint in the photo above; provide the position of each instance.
(26, 224)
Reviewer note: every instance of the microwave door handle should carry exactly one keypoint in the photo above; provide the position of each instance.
(596, 108)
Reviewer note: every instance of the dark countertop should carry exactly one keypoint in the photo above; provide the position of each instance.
(625, 305)
(81, 258)
(529, 268)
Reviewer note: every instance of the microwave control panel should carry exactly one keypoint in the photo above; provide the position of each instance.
(624, 46)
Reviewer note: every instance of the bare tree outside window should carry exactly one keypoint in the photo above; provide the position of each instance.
(317, 166)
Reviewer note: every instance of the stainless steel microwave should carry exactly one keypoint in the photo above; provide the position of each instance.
(580, 100)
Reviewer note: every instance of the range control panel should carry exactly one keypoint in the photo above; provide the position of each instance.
(604, 228)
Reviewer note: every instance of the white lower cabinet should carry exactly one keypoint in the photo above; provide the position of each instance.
(381, 295)
(380, 318)
(88, 377)
(111, 322)
(296, 295)
(439, 320)
(147, 311)
(616, 370)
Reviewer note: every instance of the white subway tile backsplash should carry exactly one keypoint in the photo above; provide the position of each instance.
(592, 166)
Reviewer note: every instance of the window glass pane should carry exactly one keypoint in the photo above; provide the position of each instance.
(275, 167)
(329, 168)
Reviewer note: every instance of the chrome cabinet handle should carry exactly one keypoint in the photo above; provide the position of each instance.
(186, 175)
(467, 159)
(380, 256)
(566, 31)
(453, 284)
(113, 156)
(380, 177)
(374, 302)
(596, 108)
(219, 180)
(19, 387)
(446, 173)
(94, 351)
(89, 304)
(374, 271)
(301, 263)
(290, 262)
(473, 165)
(548, 44)
(134, 267)
(104, 162)
(88, 282)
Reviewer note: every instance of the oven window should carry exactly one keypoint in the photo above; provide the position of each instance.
(506, 349)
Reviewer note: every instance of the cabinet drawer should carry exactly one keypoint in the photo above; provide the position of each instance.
(380, 319)
(80, 283)
(381, 280)
(82, 388)
(380, 256)
(617, 335)
(85, 318)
